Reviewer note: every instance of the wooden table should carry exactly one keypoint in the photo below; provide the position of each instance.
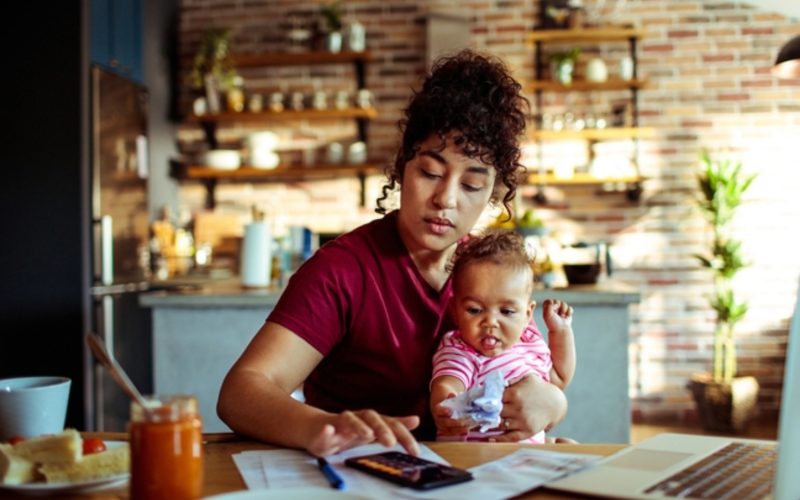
(221, 474)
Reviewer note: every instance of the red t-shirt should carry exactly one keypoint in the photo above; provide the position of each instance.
(362, 303)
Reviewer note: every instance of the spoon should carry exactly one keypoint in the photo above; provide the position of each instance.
(98, 347)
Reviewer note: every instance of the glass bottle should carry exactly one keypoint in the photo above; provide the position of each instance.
(166, 441)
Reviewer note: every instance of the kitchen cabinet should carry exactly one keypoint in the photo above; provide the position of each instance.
(116, 36)
(211, 123)
(627, 128)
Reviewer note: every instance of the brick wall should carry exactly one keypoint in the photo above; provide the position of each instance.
(708, 63)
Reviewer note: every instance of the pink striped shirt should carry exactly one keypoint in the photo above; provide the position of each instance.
(456, 358)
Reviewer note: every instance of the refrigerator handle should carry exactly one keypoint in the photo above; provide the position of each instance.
(143, 160)
(104, 250)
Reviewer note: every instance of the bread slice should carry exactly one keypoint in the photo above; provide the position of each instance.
(66, 447)
(112, 462)
(13, 468)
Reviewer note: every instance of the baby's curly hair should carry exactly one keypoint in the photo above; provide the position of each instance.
(498, 246)
(477, 97)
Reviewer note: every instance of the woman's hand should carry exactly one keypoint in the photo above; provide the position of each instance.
(530, 405)
(348, 429)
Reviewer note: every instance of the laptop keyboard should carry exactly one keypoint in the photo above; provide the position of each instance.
(737, 471)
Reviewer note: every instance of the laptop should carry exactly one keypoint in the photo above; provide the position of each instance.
(655, 468)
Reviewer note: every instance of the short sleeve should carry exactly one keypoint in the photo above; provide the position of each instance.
(317, 301)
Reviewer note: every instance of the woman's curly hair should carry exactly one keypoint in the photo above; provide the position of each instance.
(476, 96)
(498, 246)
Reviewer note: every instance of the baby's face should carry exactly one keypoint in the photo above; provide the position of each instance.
(492, 306)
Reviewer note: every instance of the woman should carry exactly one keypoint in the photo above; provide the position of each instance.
(358, 323)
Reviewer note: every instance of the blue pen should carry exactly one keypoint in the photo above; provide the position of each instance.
(330, 474)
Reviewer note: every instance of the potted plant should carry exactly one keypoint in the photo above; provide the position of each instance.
(562, 65)
(530, 224)
(330, 25)
(546, 272)
(724, 401)
(212, 69)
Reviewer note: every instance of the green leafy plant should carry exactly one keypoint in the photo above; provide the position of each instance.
(213, 58)
(570, 55)
(331, 16)
(529, 219)
(722, 186)
(563, 64)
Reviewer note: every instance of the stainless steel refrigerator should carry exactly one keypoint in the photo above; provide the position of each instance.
(119, 249)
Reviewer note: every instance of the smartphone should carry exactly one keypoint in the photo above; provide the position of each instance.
(408, 470)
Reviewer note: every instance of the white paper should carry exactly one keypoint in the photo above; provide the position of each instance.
(521, 471)
(283, 468)
(511, 475)
(252, 473)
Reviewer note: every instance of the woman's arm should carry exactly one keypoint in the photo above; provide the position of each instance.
(255, 400)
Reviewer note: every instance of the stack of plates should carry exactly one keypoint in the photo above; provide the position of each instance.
(223, 159)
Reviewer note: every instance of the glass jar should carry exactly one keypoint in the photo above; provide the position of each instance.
(166, 443)
(235, 95)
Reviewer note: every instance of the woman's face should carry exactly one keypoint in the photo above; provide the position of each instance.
(442, 194)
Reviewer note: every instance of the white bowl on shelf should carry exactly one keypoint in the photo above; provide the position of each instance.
(223, 159)
(265, 159)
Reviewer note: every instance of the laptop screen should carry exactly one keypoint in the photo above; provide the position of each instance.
(786, 486)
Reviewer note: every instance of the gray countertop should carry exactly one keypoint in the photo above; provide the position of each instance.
(231, 294)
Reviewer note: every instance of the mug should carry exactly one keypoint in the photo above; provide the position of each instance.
(32, 406)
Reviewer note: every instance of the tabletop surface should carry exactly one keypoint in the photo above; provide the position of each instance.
(221, 474)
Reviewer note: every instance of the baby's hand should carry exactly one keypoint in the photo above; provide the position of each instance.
(445, 423)
(557, 315)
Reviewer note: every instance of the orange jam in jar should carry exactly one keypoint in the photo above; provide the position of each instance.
(166, 441)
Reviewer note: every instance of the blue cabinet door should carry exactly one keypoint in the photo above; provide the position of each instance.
(116, 36)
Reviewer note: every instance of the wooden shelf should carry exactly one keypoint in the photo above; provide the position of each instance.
(580, 180)
(585, 35)
(306, 114)
(586, 86)
(598, 134)
(248, 174)
(299, 58)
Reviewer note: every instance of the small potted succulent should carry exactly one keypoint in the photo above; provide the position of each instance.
(212, 69)
(530, 224)
(563, 65)
(330, 25)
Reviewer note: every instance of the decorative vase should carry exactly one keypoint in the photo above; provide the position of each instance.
(596, 70)
(333, 41)
(724, 407)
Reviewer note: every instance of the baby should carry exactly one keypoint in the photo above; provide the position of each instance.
(493, 310)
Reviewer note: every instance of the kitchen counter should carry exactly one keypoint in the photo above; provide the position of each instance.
(200, 329)
(230, 293)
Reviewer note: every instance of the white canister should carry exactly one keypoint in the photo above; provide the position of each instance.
(356, 37)
(626, 68)
(256, 259)
(596, 70)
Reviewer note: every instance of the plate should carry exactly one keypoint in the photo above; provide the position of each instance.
(48, 489)
(306, 493)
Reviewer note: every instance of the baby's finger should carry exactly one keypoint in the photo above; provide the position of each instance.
(440, 411)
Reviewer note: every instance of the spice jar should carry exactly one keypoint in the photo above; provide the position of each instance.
(235, 95)
(166, 445)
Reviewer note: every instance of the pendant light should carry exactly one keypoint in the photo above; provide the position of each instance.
(787, 64)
